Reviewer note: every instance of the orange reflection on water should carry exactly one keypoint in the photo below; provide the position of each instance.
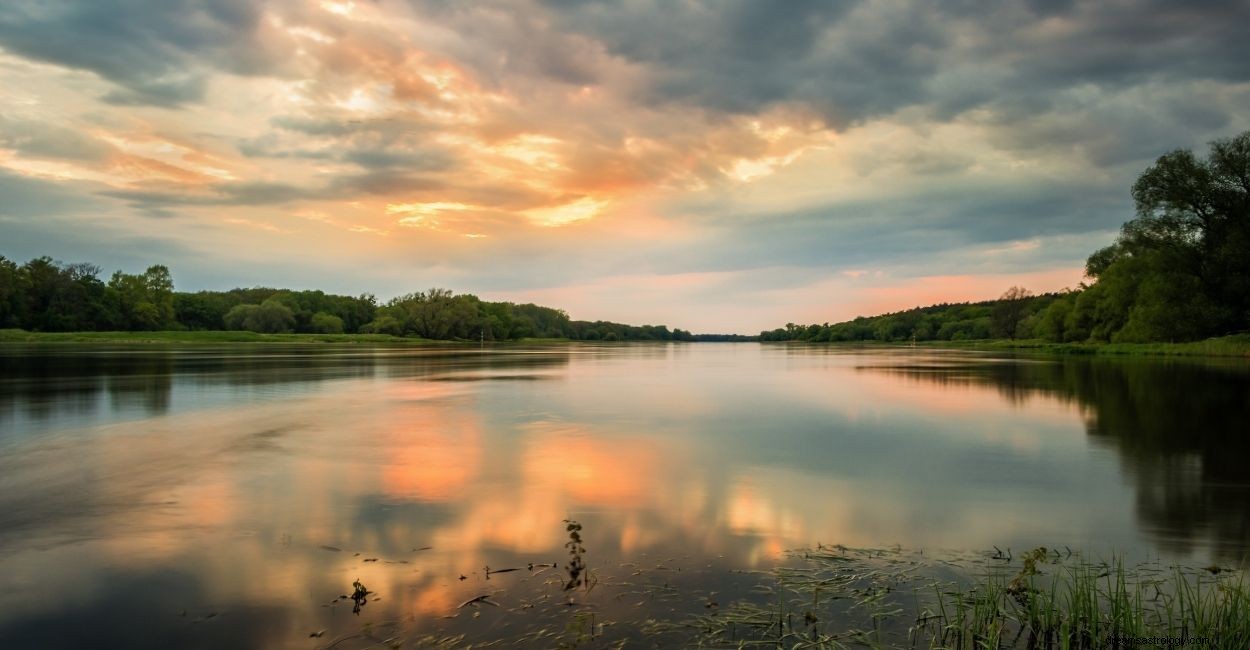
(590, 469)
(561, 469)
(435, 451)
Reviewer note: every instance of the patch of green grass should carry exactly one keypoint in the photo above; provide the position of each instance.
(1236, 345)
(22, 336)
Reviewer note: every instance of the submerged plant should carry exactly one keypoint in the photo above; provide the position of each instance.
(576, 565)
(359, 596)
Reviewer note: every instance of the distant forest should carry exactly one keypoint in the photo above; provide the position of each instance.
(1179, 271)
(47, 296)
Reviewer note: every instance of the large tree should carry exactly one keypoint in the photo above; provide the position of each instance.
(1181, 268)
(1010, 310)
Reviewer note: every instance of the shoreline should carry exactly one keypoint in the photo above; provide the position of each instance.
(1232, 346)
(204, 337)
(209, 337)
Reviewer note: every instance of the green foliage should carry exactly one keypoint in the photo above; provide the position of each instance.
(11, 310)
(238, 316)
(323, 323)
(383, 325)
(436, 314)
(1181, 269)
(146, 301)
(1009, 312)
(44, 295)
(1053, 323)
(947, 322)
(270, 317)
(205, 310)
(195, 337)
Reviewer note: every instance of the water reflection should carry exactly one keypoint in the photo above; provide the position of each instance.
(243, 491)
(71, 384)
(1178, 428)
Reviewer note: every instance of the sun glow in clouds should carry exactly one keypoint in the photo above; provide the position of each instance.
(340, 8)
(532, 149)
(562, 215)
(798, 166)
(424, 214)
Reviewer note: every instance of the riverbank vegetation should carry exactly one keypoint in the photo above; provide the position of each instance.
(835, 597)
(1179, 271)
(44, 295)
(200, 336)
(1235, 345)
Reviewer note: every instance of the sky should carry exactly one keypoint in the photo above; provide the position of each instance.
(719, 166)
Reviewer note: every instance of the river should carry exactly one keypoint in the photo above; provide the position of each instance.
(229, 496)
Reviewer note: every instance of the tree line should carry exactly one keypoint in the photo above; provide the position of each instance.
(45, 295)
(1178, 271)
(1015, 317)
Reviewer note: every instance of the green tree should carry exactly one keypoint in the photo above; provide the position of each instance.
(145, 301)
(323, 323)
(1011, 309)
(1053, 323)
(383, 324)
(204, 310)
(270, 317)
(160, 292)
(12, 294)
(1180, 269)
(240, 316)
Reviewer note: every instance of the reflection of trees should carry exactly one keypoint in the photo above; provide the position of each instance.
(157, 600)
(44, 382)
(1178, 426)
(41, 382)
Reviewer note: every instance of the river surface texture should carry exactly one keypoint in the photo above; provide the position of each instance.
(229, 497)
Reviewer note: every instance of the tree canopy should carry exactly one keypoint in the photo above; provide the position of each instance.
(47, 295)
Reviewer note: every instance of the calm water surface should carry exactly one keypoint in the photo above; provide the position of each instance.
(194, 497)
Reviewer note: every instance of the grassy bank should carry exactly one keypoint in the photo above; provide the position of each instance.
(1236, 345)
(22, 336)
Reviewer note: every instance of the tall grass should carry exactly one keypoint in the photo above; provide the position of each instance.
(893, 599)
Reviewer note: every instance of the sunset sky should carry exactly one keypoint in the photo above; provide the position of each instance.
(715, 166)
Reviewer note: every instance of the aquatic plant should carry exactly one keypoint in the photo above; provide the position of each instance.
(577, 564)
(360, 596)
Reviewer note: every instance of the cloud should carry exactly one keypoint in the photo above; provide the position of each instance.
(585, 142)
(853, 61)
(155, 52)
(28, 198)
(430, 160)
(41, 217)
(45, 140)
